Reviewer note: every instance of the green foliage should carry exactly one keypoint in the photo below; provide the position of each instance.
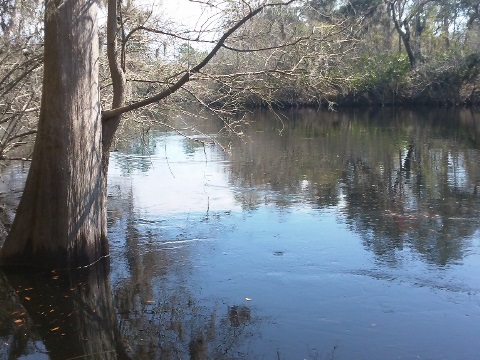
(381, 75)
(355, 7)
(443, 79)
(470, 67)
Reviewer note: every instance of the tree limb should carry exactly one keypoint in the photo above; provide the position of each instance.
(186, 77)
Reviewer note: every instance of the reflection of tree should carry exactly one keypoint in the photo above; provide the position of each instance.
(15, 343)
(139, 147)
(393, 212)
(176, 326)
(402, 180)
(69, 315)
(65, 314)
(159, 315)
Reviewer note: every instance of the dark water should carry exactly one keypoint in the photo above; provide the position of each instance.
(316, 236)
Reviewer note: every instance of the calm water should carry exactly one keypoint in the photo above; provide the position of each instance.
(315, 236)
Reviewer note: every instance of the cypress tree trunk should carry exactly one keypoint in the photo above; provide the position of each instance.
(61, 219)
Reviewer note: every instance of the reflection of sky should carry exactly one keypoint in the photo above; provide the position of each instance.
(176, 182)
(457, 174)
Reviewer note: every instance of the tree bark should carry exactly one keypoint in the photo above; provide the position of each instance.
(404, 35)
(61, 219)
(117, 74)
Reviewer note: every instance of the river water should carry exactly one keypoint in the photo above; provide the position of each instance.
(349, 235)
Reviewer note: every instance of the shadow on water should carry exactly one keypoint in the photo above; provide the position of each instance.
(62, 315)
(72, 315)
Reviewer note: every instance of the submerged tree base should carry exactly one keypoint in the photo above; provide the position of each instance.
(60, 258)
(72, 312)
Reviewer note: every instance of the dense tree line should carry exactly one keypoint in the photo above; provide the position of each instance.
(415, 52)
(374, 52)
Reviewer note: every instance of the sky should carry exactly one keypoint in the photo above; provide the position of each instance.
(184, 12)
(187, 15)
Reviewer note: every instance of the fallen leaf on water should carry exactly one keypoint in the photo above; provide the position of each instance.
(27, 289)
(55, 329)
(150, 302)
(27, 298)
(18, 321)
(55, 277)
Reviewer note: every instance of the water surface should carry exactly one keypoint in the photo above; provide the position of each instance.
(315, 236)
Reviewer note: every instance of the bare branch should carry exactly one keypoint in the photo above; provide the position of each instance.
(297, 41)
(167, 33)
(185, 78)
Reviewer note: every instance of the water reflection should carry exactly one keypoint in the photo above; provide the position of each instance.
(160, 314)
(400, 181)
(60, 315)
(319, 236)
(72, 315)
(289, 219)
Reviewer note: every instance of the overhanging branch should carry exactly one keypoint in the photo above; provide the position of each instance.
(186, 77)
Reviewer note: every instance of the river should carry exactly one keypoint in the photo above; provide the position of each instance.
(312, 235)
